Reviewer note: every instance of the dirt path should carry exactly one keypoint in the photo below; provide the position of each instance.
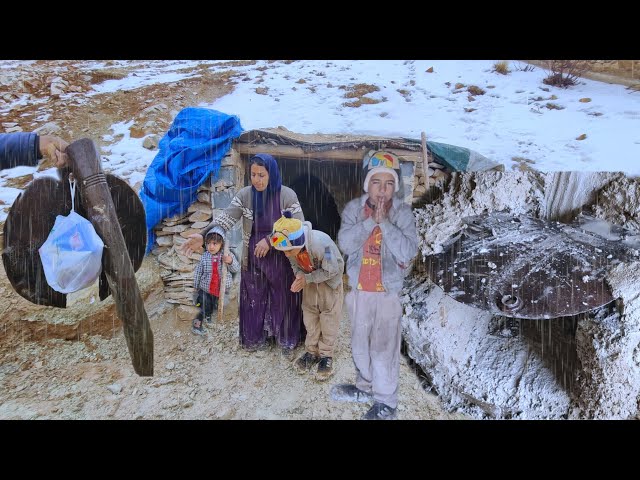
(195, 378)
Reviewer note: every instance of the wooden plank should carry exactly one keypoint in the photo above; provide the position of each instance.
(101, 212)
(223, 280)
(425, 157)
(345, 155)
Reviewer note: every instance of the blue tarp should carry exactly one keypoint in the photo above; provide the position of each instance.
(189, 153)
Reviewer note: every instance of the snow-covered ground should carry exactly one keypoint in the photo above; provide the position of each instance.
(511, 120)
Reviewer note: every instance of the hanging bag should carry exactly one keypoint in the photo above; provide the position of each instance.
(72, 254)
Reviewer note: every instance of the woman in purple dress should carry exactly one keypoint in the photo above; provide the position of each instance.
(268, 309)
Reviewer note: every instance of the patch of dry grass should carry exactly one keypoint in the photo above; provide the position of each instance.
(554, 106)
(99, 76)
(501, 67)
(361, 101)
(359, 90)
(475, 90)
(18, 182)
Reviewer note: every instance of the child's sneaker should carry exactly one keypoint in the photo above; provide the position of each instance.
(380, 411)
(325, 369)
(305, 362)
(208, 321)
(197, 327)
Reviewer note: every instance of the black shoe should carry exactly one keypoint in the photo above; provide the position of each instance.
(197, 327)
(208, 321)
(257, 348)
(305, 362)
(346, 392)
(380, 411)
(288, 353)
(325, 369)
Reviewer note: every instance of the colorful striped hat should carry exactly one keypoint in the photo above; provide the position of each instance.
(287, 233)
(381, 162)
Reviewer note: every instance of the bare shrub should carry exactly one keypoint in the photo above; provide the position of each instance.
(524, 67)
(564, 73)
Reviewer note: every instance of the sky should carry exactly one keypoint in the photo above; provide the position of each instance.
(511, 120)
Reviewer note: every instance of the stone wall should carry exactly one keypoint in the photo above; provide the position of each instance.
(619, 68)
(171, 233)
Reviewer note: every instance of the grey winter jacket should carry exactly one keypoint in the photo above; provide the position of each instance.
(325, 257)
(203, 272)
(399, 241)
(18, 149)
(241, 207)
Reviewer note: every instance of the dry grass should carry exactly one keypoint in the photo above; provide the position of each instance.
(501, 67)
(18, 182)
(475, 90)
(554, 106)
(359, 90)
(361, 101)
(100, 76)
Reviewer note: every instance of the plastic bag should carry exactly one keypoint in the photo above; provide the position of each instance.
(72, 254)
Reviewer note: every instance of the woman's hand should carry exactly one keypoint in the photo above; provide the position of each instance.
(262, 248)
(194, 244)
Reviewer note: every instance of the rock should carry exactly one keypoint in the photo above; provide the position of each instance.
(151, 142)
(165, 241)
(49, 128)
(174, 229)
(115, 388)
(186, 312)
(155, 108)
(200, 225)
(419, 190)
(57, 89)
(200, 216)
(199, 207)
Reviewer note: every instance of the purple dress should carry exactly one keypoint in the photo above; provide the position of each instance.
(268, 308)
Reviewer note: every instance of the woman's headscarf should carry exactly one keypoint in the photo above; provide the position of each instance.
(274, 185)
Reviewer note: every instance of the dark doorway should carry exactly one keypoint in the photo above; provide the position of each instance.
(318, 205)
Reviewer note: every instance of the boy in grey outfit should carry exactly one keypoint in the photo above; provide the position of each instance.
(378, 234)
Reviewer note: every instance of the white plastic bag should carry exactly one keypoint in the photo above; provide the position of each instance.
(72, 254)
